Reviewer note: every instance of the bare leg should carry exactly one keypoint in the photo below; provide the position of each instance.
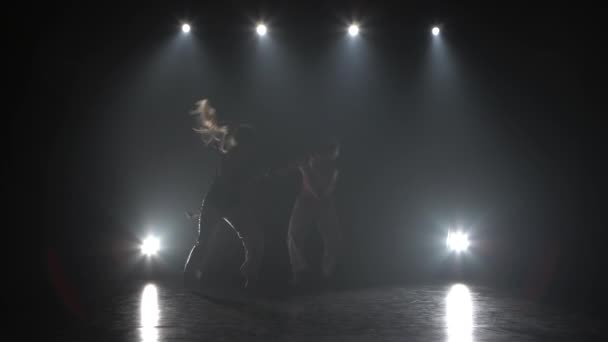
(301, 216)
(192, 265)
(330, 231)
(251, 234)
(250, 269)
(196, 263)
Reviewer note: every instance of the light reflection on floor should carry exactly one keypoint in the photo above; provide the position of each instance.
(456, 313)
(459, 314)
(149, 314)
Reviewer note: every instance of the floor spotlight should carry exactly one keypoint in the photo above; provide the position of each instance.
(150, 246)
(457, 241)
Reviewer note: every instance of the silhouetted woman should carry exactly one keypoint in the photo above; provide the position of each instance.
(232, 196)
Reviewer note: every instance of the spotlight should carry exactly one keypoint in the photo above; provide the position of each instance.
(435, 31)
(353, 30)
(261, 29)
(150, 246)
(457, 241)
(185, 28)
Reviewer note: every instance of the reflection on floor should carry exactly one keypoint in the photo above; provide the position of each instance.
(454, 312)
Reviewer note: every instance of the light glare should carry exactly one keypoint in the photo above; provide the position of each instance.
(261, 29)
(435, 31)
(457, 241)
(185, 28)
(150, 246)
(353, 30)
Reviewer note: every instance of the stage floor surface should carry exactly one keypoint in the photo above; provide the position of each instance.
(165, 311)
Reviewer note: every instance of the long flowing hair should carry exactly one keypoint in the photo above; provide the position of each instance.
(211, 130)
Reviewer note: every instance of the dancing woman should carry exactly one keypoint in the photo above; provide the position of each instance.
(232, 196)
(315, 205)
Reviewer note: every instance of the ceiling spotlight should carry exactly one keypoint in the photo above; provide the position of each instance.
(353, 30)
(185, 28)
(435, 31)
(261, 30)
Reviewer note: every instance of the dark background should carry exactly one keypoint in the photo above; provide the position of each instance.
(495, 125)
